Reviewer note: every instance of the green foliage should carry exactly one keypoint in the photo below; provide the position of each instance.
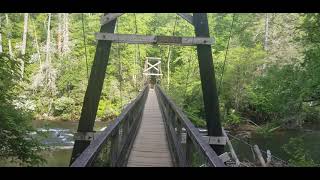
(273, 98)
(268, 79)
(299, 156)
(233, 119)
(62, 105)
(267, 129)
(15, 143)
(107, 109)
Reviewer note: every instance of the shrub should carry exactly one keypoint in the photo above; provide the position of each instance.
(299, 156)
(233, 119)
(15, 143)
(63, 105)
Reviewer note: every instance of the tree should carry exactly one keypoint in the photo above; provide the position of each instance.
(36, 41)
(25, 31)
(59, 34)
(0, 36)
(16, 144)
(266, 31)
(9, 35)
(24, 42)
(48, 60)
(65, 42)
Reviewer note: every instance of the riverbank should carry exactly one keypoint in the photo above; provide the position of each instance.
(60, 140)
(76, 119)
(244, 136)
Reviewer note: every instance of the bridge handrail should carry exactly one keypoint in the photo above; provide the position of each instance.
(173, 117)
(129, 124)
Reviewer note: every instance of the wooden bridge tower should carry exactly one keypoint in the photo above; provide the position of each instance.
(152, 70)
(106, 36)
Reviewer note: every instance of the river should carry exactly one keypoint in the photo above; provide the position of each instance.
(275, 143)
(60, 156)
(60, 140)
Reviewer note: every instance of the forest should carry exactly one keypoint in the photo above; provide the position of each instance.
(267, 70)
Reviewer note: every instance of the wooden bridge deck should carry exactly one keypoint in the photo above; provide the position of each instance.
(150, 147)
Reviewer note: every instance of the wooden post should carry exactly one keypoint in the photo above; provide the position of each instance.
(259, 154)
(208, 81)
(94, 88)
(188, 151)
(179, 131)
(268, 158)
(233, 153)
(114, 151)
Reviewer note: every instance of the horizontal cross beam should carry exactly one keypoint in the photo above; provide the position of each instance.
(153, 58)
(144, 39)
(151, 74)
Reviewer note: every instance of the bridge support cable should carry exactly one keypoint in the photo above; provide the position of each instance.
(137, 54)
(187, 80)
(208, 80)
(85, 44)
(226, 53)
(169, 55)
(93, 92)
(119, 67)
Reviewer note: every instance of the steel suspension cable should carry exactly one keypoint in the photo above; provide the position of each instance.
(85, 44)
(226, 53)
(188, 74)
(169, 53)
(137, 45)
(120, 65)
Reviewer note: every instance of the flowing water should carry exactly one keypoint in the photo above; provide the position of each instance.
(59, 137)
(63, 144)
(276, 141)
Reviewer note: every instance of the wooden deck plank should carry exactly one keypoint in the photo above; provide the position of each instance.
(150, 148)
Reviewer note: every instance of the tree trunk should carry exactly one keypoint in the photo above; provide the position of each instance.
(65, 45)
(48, 40)
(36, 41)
(25, 32)
(59, 40)
(169, 53)
(135, 68)
(24, 42)
(0, 38)
(266, 30)
(168, 67)
(259, 154)
(9, 36)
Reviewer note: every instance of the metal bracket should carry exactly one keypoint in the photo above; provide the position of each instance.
(216, 140)
(84, 136)
(225, 157)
